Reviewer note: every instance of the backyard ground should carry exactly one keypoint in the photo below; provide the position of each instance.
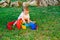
(47, 19)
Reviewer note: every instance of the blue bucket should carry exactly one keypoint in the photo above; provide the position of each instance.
(33, 25)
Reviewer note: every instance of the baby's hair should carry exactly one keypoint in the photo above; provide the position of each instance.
(26, 8)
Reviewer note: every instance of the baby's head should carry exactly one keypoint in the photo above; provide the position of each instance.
(25, 10)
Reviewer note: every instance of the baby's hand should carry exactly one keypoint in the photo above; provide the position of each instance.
(34, 21)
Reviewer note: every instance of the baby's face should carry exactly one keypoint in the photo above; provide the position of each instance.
(26, 12)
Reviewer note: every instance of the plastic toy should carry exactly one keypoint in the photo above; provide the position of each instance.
(33, 25)
(27, 25)
(9, 25)
(23, 27)
(19, 24)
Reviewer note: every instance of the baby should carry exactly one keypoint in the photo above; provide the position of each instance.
(24, 16)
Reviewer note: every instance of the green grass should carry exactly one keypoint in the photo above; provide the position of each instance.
(47, 19)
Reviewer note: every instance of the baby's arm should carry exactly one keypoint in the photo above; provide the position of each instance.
(29, 19)
(23, 20)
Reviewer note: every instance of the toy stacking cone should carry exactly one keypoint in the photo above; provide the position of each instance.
(19, 24)
(23, 27)
(27, 25)
(9, 25)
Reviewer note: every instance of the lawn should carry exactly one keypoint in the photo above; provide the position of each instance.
(47, 19)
